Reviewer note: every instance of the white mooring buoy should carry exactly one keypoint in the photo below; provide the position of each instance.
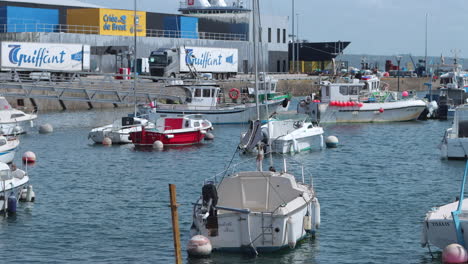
(107, 141)
(454, 253)
(46, 128)
(331, 142)
(158, 145)
(209, 136)
(29, 157)
(199, 246)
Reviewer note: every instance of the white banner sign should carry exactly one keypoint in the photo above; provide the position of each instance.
(45, 56)
(208, 59)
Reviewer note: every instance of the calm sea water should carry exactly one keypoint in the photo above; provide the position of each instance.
(98, 204)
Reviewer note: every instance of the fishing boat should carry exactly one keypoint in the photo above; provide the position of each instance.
(285, 133)
(118, 131)
(254, 210)
(8, 147)
(14, 121)
(206, 99)
(360, 100)
(180, 130)
(12, 185)
(444, 225)
(455, 141)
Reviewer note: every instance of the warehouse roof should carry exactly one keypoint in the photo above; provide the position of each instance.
(75, 3)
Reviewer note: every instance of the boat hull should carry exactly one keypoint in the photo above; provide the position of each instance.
(8, 151)
(12, 187)
(438, 227)
(372, 112)
(148, 137)
(118, 136)
(236, 236)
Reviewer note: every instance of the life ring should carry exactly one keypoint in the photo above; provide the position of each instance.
(234, 93)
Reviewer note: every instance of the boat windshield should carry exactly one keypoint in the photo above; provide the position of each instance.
(445, 80)
(288, 116)
(4, 104)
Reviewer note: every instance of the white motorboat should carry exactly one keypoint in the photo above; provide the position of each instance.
(360, 100)
(285, 133)
(119, 130)
(277, 211)
(14, 121)
(8, 147)
(444, 225)
(455, 141)
(12, 184)
(206, 100)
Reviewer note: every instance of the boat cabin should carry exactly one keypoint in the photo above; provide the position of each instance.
(346, 91)
(181, 122)
(454, 80)
(202, 95)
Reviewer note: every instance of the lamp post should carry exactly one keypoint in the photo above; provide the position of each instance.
(293, 42)
(298, 68)
(398, 58)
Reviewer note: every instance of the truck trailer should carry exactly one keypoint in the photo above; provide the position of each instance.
(191, 62)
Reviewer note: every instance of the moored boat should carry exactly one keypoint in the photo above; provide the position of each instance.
(180, 130)
(14, 121)
(361, 100)
(12, 185)
(118, 131)
(8, 148)
(455, 141)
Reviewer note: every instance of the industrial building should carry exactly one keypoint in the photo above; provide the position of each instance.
(110, 32)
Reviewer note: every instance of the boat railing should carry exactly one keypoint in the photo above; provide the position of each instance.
(456, 213)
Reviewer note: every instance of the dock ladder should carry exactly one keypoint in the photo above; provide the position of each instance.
(267, 228)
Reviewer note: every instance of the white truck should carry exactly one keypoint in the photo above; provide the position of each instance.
(44, 59)
(191, 62)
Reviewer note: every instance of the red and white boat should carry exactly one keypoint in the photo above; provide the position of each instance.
(180, 130)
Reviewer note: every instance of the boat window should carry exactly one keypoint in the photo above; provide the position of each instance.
(187, 123)
(213, 92)
(197, 93)
(206, 92)
(327, 91)
(3, 141)
(16, 115)
(353, 90)
(445, 80)
(344, 90)
(196, 124)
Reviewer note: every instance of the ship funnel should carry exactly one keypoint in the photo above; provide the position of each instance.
(218, 3)
(198, 3)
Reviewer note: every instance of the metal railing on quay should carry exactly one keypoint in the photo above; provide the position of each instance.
(85, 29)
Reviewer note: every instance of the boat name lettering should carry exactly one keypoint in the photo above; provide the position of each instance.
(440, 224)
(226, 227)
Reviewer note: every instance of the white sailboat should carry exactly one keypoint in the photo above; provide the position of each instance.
(256, 211)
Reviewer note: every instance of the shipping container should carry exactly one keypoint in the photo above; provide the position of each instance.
(29, 56)
(25, 19)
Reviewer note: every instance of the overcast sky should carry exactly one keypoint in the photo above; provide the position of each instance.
(377, 27)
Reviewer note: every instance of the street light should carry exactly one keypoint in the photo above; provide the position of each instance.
(292, 35)
(297, 44)
(398, 58)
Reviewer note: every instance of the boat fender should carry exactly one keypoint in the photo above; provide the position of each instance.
(307, 222)
(11, 207)
(315, 214)
(285, 102)
(234, 93)
(290, 233)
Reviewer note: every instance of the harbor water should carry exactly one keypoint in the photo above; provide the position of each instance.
(98, 204)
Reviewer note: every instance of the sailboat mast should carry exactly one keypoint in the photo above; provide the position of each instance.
(134, 56)
(255, 51)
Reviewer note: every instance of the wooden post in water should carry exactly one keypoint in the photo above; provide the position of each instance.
(175, 224)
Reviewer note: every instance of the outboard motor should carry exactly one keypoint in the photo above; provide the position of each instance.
(210, 200)
(127, 121)
(309, 108)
